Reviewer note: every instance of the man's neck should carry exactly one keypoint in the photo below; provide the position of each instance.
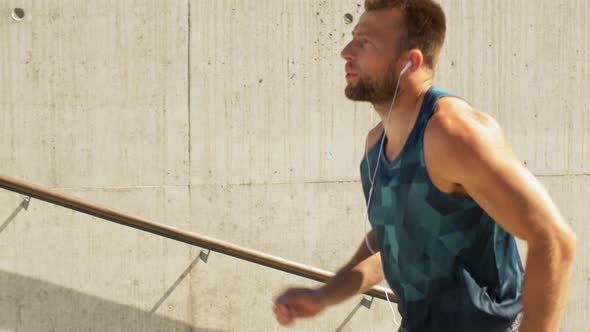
(404, 112)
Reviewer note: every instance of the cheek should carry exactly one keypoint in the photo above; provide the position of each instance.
(374, 67)
(374, 73)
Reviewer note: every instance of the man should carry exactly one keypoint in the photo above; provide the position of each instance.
(445, 195)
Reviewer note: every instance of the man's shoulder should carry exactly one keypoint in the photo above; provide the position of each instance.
(458, 135)
(455, 119)
(373, 136)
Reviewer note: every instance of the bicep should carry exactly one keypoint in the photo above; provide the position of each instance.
(511, 195)
(472, 151)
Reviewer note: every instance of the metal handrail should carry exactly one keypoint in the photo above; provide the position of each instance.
(173, 233)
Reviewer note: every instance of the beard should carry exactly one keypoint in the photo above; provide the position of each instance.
(376, 92)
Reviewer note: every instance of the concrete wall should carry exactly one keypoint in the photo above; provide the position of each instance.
(228, 118)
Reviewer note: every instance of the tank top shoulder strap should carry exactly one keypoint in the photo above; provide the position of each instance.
(430, 99)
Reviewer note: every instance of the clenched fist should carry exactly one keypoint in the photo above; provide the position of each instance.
(298, 303)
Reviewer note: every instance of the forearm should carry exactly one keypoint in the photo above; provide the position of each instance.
(361, 273)
(546, 285)
(351, 281)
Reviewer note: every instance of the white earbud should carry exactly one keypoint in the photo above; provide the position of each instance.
(408, 65)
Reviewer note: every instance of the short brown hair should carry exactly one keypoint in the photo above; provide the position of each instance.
(424, 23)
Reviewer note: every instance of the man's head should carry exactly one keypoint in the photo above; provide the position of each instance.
(388, 35)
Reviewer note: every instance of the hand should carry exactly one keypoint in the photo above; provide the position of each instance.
(298, 303)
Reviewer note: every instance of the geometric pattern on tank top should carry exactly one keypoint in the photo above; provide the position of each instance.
(450, 264)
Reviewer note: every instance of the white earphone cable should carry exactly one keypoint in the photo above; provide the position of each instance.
(372, 180)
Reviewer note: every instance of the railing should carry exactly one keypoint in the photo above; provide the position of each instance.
(173, 233)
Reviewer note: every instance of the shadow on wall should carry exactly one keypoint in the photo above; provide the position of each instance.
(31, 305)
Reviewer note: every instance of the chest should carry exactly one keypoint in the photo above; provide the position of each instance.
(419, 157)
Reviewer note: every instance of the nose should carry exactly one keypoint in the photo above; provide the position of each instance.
(347, 53)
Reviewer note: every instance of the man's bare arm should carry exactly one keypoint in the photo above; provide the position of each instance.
(361, 273)
(468, 148)
(364, 270)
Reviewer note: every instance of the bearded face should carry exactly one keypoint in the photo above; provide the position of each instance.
(371, 89)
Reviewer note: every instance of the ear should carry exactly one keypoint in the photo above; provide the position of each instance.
(417, 58)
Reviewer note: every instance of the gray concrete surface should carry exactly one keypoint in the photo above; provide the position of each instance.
(228, 118)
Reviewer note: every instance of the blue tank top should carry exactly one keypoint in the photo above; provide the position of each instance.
(452, 267)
